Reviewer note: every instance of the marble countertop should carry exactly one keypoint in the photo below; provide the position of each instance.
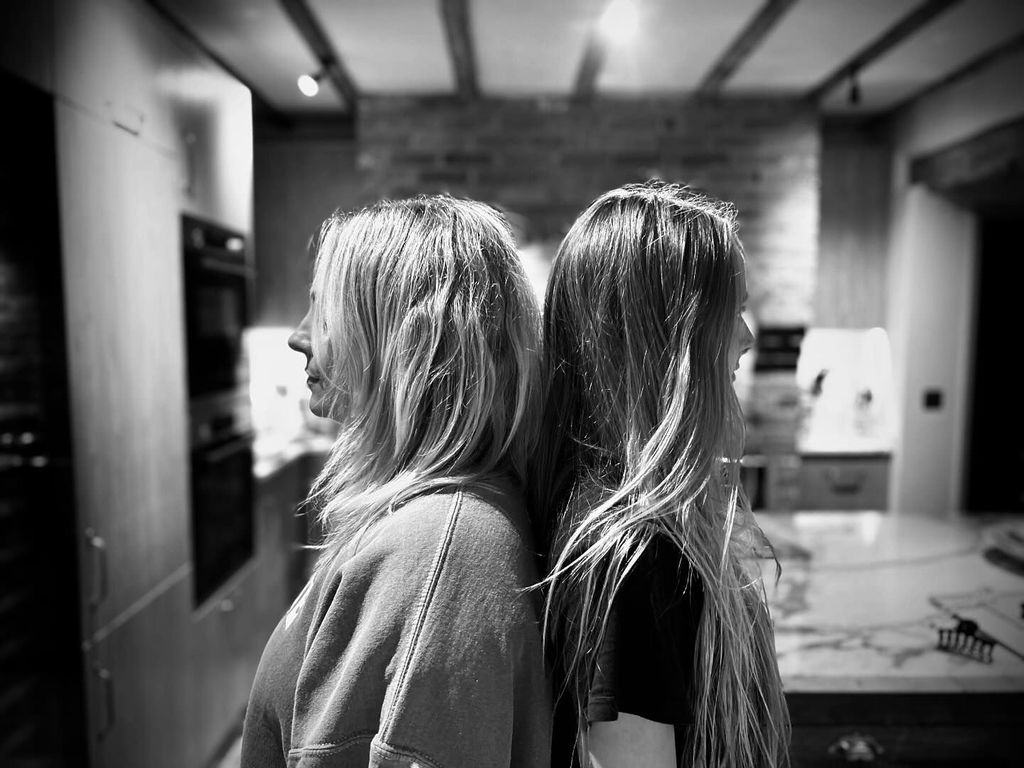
(863, 596)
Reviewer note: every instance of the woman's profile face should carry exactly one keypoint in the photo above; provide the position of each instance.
(742, 339)
(300, 341)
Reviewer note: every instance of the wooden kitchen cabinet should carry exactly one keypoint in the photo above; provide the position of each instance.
(284, 529)
(852, 264)
(165, 683)
(139, 709)
(214, 149)
(118, 61)
(226, 640)
(169, 684)
(126, 67)
(844, 481)
(123, 305)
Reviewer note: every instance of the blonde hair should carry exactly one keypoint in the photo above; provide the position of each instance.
(643, 436)
(430, 334)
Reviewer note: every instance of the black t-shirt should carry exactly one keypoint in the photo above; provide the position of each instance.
(645, 666)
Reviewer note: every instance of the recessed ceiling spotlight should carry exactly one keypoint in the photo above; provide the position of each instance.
(618, 22)
(310, 84)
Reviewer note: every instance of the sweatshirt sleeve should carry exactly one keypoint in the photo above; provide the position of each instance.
(448, 637)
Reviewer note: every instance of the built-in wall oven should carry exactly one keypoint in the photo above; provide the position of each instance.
(218, 283)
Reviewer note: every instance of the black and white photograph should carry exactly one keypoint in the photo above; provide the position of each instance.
(511, 383)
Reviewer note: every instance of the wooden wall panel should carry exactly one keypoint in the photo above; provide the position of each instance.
(852, 285)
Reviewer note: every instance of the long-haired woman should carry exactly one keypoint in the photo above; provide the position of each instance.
(415, 642)
(664, 646)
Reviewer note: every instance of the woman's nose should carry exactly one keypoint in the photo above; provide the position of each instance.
(299, 339)
(748, 338)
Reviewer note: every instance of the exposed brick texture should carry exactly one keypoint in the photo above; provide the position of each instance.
(547, 159)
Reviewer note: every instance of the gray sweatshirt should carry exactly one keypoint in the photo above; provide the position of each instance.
(420, 650)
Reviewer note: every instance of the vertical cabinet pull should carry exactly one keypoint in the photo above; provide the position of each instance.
(99, 573)
(107, 687)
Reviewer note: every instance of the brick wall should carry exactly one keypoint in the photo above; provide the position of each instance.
(547, 159)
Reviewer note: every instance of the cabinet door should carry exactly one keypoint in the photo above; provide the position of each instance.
(122, 63)
(119, 61)
(123, 307)
(853, 231)
(214, 126)
(139, 704)
(227, 638)
(844, 483)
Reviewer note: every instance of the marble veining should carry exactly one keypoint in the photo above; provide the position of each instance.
(862, 596)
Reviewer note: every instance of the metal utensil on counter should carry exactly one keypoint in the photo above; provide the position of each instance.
(967, 638)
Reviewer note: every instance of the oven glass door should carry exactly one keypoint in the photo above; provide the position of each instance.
(216, 309)
(222, 511)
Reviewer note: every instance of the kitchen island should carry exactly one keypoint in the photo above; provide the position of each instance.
(858, 611)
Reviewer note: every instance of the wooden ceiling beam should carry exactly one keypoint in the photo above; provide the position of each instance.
(992, 153)
(744, 45)
(323, 51)
(455, 16)
(903, 29)
(984, 61)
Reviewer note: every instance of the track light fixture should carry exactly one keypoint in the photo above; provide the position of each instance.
(853, 95)
(310, 84)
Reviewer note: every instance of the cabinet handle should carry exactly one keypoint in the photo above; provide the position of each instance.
(99, 560)
(190, 164)
(845, 484)
(857, 748)
(110, 714)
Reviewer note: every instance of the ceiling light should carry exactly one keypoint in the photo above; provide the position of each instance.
(618, 23)
(853, 95)
(310, 84)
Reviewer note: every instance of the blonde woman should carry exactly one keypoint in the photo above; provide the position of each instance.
(415, 642)
(665, 651)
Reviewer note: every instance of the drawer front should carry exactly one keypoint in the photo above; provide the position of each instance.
(841, 483)
(975, 746)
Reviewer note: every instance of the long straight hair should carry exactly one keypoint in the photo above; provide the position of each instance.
(643, 436)
(429, 333)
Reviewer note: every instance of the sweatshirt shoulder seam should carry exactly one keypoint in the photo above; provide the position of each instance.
(421, 618)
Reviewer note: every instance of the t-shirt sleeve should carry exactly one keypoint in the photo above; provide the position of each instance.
(645, 666)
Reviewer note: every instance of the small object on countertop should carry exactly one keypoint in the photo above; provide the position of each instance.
(966, 639)
(819, 381)
(857, 748)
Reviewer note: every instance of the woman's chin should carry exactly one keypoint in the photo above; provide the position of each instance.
(318, 406)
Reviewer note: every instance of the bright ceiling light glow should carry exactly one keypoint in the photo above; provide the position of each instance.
(309, 85)
(618, 23)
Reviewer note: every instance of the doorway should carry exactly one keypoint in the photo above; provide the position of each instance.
(995, 450)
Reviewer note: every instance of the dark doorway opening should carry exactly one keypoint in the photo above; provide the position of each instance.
(995, 455)
(986, 175)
